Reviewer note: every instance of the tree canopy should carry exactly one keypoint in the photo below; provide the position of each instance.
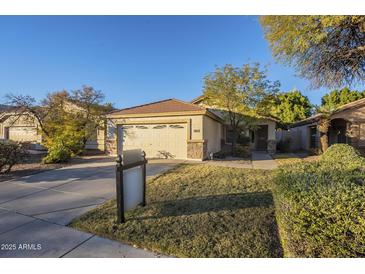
(327, 50)
(237, 91)
(288, 107)
(337, 98)
(67, 120)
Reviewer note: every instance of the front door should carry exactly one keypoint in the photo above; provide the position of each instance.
(262, 134)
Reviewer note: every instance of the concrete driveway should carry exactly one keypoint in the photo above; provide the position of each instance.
(35, 209)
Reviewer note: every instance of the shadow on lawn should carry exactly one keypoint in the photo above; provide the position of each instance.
(213, 203)
(260, 218)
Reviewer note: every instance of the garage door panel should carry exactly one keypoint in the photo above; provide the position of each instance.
(23, 134)
(158, 141)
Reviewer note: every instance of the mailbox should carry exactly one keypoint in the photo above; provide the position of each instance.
(130, 181)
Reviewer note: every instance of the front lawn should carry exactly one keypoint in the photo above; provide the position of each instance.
(197, 210)
(286, 158)
(294, 158)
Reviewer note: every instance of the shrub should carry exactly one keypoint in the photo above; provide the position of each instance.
(342, 154)
(11, 153)
(242, 151)
(321, 206)
(220, 155)
(57, 153)
(63, 146)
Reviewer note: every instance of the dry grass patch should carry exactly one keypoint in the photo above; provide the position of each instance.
(286, 158)
(198, 211)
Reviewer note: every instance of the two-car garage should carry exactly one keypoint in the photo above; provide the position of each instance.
(165, 129)
(157, 140)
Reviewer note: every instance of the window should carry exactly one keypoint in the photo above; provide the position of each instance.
(176, 126)
(159, 126)
(142, 127)
(229, 136)
(313, 137)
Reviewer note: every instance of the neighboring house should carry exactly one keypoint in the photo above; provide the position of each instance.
(175, 129)
(347, 126)
(17, 128)
(25, 128)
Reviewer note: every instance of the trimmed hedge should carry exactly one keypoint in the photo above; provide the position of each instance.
(342, 154)
(320, 205)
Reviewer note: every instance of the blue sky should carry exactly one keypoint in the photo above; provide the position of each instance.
(132, 59)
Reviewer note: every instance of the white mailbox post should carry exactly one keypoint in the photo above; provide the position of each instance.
(130, 181)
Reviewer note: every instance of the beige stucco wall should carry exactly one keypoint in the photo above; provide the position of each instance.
(351, 115)
(212, 134)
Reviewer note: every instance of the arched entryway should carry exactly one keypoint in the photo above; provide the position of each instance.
(338, 132)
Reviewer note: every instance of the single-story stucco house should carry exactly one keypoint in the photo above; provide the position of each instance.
(347, 126)
(176, 129)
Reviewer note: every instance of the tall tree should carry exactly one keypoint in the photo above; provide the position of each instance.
(67, 120)
(288, 107)
(237, 91)
(337, 98)
(327, 50)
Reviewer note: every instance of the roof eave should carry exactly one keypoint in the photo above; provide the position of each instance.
(155, 114)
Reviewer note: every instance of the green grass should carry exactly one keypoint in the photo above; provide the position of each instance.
(197, 211)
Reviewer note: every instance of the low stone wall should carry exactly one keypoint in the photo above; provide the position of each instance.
(197, 149)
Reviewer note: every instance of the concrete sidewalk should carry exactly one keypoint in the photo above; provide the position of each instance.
(262, 160)
(35, 210)
(259, 160)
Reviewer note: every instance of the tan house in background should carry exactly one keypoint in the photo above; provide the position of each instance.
(17, 128)
(25, 128)
(347, 126)
(176, 129)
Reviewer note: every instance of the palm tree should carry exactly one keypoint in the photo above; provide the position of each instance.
(324, 124)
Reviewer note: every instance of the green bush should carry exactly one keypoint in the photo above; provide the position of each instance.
(63, 146)
(320, 205)
(57, 153)
(11, 153)
(242, 151)
(342, 154)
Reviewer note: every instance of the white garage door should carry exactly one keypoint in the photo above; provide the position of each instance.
(23, 134)
(158, 141)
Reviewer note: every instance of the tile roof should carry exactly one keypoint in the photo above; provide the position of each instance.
(197, 99)
(169, 105)
(315, 117)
